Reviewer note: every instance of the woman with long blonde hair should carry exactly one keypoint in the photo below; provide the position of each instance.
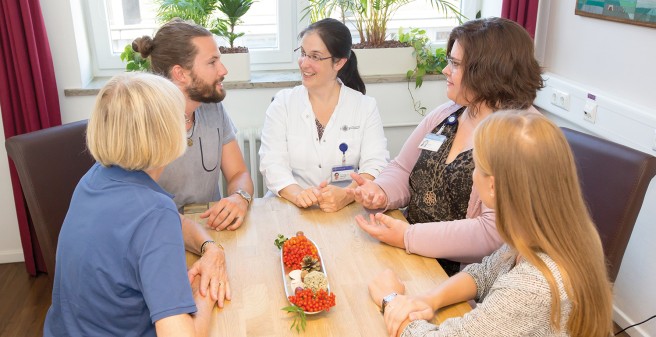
(549, 278)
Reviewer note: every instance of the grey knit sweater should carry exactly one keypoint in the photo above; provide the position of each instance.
(514, 300)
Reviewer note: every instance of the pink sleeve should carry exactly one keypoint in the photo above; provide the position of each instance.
(467, 240)
(394, 179)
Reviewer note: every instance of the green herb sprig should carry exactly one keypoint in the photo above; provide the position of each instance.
(280, 240)
(300, 320)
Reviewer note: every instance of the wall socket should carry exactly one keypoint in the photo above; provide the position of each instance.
(560, 99)
(590, 111)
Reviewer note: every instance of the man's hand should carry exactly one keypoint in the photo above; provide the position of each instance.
(333, 198)
(384, 228)
(211, 268)
(368, 193)
(228, 213)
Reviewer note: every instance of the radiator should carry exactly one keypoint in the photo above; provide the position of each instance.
(249, 143)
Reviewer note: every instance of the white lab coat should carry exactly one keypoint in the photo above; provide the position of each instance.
(291, 152)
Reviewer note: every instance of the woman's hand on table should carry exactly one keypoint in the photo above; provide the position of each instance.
(203, 303)
(404, 309)
(384, 228)
(368, 193)
(227, 213)
(401, 309)
(384, 284)
(333, 198)
(307, 197)
(211, 268)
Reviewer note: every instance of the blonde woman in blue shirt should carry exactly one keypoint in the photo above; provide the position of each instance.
(317, 133)
(121, 267)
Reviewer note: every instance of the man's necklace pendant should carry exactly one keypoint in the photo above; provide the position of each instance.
(190, 142)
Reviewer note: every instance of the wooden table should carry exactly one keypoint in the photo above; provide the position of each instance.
(351, 257)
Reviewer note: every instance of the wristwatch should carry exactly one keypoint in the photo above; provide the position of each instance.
(203, 247)
(244, 195)
(386, 300)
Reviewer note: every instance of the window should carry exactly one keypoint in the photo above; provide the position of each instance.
(268, 25)
(271, 28)
(415, 14)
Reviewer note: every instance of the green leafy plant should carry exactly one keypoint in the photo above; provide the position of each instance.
(321, 9)
(198, 11)
(203, 13)
(372, 16)
(300, 320)
(429, 61)
(134, 61)
(233, 10)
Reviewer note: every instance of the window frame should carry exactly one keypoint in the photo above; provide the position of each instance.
(106, 63)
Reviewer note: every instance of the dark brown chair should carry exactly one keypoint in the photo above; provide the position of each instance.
(614, 180)
(50, 163)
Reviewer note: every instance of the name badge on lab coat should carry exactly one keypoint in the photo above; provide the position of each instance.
(341, 173)
(432, 142)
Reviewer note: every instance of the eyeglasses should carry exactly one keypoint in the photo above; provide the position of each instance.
(453, 63)
(313, 57)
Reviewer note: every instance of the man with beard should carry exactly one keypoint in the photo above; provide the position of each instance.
(187, 54)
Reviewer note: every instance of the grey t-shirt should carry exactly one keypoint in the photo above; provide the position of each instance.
(194, 177)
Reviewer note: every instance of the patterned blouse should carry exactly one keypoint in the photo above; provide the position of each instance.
(320, 128)
(514, 300)
(440, 191)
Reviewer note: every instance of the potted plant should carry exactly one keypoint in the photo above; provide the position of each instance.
(429, 61)
(203, 13)
(370, 18)
(236, 59)
(198, 11)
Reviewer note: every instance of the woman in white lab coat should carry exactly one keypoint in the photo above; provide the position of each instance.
(317, 133)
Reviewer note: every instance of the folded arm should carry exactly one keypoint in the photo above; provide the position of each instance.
(466, 240)
(211, 267)
(186, 324)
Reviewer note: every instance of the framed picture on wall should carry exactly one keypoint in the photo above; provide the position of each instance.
(637, 12)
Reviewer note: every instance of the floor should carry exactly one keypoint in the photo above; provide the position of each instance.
(25, 301)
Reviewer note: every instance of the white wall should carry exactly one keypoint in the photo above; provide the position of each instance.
(615, 62)
(10, 245)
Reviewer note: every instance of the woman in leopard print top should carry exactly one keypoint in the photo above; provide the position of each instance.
(491, 67)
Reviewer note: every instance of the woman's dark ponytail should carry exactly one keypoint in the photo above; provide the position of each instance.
(350, 75)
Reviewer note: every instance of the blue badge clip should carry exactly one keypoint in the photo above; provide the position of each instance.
(343, 147)
(453, 119)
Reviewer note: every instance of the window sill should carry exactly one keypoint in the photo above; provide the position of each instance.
(259, 80)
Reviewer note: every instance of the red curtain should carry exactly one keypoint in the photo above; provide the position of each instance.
(524, 12)
(28, 98)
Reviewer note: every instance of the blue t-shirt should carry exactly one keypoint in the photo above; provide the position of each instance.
(120, 258)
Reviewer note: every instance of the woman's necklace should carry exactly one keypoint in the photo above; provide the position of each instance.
(190, 133)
